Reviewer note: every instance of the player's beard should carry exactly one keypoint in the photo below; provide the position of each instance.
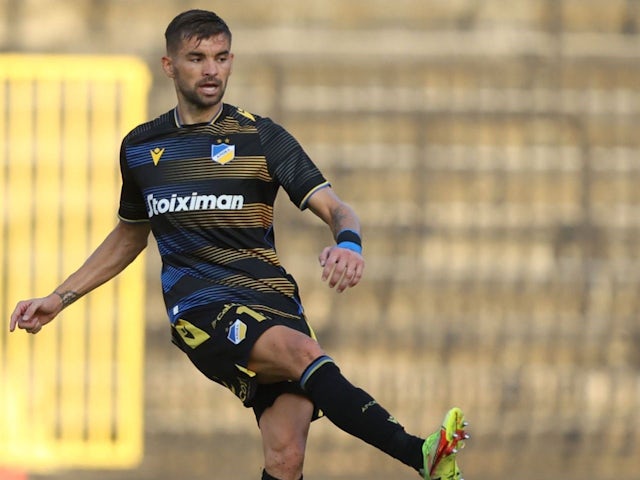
(199, 101)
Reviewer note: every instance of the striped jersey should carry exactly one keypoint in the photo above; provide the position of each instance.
(208, 191)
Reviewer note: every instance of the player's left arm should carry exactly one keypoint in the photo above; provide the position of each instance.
(342, 264)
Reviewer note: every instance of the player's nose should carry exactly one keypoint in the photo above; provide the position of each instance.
(210, 68)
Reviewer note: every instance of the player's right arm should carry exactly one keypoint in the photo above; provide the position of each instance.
(119, 249)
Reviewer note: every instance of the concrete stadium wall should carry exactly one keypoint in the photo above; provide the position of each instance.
(491, 149)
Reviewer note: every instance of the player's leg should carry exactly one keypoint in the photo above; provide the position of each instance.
(265, 351)
(353, 410)
(284, 428)
(281, 353)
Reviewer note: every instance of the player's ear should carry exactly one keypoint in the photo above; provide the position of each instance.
(167, 66)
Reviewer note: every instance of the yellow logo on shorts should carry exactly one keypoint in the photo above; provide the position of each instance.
(191, 334)
(237, 332)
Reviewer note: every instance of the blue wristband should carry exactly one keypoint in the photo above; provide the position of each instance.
(350, 240)
(351, 246)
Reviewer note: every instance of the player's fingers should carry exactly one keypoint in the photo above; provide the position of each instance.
(17, 315)
(30, 320)
(352, 274)
(357, 276)
(13, 321)
(322, 258)
(330, 262)
(346, 280)
(35, 328)
(30, 312)
(329, 267)
(27, 325)
(338, 272)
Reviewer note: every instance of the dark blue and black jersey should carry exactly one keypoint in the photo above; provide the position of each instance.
(208, 191)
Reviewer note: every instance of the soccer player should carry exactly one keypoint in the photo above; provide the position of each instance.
(203, 178)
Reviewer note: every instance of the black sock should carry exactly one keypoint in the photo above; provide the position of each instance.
(266, 476)
(357, 413)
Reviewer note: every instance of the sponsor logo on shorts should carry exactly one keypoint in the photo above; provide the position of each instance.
(191, 203)
(237, 332)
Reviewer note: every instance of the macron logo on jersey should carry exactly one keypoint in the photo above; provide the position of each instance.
(192, 203)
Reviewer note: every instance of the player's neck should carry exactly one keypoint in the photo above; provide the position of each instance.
(187, 116)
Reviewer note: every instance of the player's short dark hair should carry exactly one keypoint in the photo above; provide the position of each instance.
(200, 24)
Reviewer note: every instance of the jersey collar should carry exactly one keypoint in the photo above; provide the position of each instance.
(176, 118)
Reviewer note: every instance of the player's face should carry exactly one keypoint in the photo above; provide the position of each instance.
(200, 70)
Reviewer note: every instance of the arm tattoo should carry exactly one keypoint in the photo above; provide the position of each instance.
(67, 297)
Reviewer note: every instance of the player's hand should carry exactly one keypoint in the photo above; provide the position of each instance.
(31, 315)
(341, 267)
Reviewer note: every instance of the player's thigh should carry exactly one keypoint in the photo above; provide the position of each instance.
(282, 353)
(225, 342)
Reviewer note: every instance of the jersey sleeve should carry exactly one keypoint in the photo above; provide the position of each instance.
(289, 164)
(132, 207)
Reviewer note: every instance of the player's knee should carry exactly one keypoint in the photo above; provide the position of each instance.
(283, 352)
(309, 351)
(285, 459)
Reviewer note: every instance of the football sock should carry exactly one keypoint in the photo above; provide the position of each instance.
(266, 476)
(357, 413)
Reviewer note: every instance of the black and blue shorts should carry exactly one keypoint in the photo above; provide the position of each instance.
(218, 341)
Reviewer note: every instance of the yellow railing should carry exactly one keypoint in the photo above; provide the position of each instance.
(71, 395)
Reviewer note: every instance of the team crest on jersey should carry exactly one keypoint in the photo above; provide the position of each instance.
(223, 153)
(237, 332)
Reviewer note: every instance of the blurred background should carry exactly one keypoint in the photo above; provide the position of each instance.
(492, 151)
